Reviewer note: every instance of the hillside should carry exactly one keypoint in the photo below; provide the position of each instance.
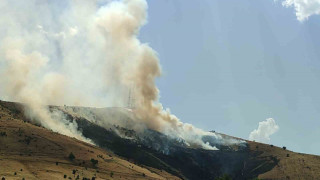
(290, 165)
(154, 152)
(31, 152)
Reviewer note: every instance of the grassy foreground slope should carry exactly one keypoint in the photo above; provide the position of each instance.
(290, 165)
(31, 152)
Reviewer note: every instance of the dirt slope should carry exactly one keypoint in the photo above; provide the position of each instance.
(32, 152)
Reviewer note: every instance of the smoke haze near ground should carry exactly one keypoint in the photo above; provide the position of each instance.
(82, 53)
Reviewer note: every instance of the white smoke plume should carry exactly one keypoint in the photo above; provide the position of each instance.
(265, 130)
(83, 53)
(304, 8)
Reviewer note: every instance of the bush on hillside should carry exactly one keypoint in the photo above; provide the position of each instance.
(3, 133)
(224, 177)
(94, 162)
(71, 156)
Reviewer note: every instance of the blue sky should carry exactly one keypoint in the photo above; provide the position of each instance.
(228, 65)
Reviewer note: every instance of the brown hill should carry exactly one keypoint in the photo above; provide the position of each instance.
(290, 165)
(36, 150)
(31, 152)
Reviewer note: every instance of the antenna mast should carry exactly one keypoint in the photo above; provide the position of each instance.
(131, 100)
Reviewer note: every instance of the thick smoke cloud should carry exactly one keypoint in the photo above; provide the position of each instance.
(304, 8)
(83, 53)
(265, 130)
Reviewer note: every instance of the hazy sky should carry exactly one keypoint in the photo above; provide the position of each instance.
(231, 64)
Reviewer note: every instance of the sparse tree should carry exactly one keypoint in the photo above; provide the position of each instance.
(3, 134)
(71, 156)
(94, 162)
(284, 148)
(27, 140)
(111, 174)
(65, 176)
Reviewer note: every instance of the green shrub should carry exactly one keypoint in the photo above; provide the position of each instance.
(71, 156)
(94, 162)
(3, 134)
(224, 177)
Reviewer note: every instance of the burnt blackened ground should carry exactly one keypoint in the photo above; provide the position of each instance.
(159, 151)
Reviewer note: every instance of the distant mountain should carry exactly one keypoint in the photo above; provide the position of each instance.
(109, 128)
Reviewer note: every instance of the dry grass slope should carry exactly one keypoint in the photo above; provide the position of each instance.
(290, 165)
(31, 152)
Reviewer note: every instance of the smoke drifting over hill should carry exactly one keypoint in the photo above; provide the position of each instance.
(264, 131)
(85, 54)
